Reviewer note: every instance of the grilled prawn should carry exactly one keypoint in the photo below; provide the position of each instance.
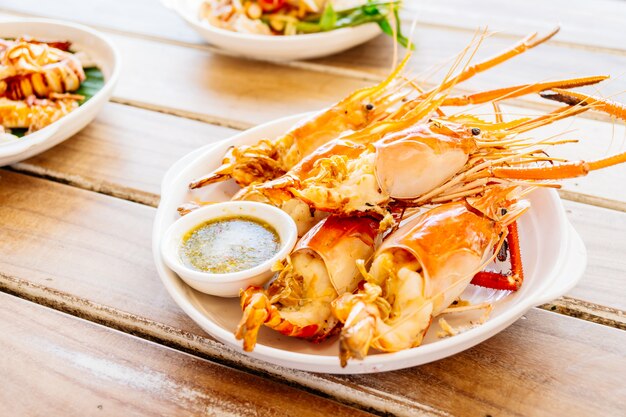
(271, 158)
(421, 268)
(321, 267)
(423, 163)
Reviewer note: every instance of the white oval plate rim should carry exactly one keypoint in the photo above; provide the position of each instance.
(567, 271)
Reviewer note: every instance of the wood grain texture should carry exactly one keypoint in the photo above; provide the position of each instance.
(233, 92)
(604, 234)
(542, 366)
(434, 46)
(124, 152)
(90, 254)
(217, 88)
(148, 18)
(55, 364)
(593, 25)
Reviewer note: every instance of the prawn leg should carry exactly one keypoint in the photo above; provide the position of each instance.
(573, 98)
(498, 281)
(565, 170)
(520, 90)
(259, 311)
(522, 46)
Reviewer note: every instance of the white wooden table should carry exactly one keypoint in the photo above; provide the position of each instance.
(88, 329)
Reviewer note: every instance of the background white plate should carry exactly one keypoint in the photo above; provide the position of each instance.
(99, 49)
(266, 47)
(553, 254)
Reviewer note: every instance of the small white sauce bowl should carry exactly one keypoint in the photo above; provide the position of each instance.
(228, 284)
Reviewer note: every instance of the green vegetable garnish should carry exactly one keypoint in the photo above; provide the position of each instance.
(371, 12)
(19, 132)
(329, 17)
(94, 80)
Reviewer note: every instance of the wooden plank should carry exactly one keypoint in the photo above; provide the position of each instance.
(143, 17)
(31, 224)
(597, 24)
(604, 234)
(57, 364)
(149, 18)
(533, 368)
(220, 89)
(124, 152)
(93, 259)
(435, 45)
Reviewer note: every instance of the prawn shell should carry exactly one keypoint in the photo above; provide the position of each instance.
(451, 242)
(340, 242)
(337, 147)
(350, 114)
(419, 159)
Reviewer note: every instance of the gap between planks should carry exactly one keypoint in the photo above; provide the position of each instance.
(584, 310)
(405, 19)
(152, 200)
(326, 386)
(567, 306)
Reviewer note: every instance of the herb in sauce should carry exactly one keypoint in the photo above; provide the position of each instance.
(229, 244)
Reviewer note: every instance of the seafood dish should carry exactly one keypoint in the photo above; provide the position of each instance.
(294, 17)
(402, 199)
(40, 82)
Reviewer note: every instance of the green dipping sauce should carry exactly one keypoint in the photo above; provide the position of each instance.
(229, 244)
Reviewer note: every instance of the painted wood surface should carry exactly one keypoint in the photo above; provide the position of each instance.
(68, 228)
(56, 364)
(83, 246)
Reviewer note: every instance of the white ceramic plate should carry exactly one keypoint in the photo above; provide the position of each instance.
(99, 49)
(266, 47)
(553, 253)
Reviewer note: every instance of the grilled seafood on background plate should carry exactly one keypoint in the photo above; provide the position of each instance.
(444, 192)
(32, 67)
(297, 17)
(289, 29)
(54, 78)
(40, 82)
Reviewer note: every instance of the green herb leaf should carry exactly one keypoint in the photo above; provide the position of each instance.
(19, 132)
(374, 11)
(328, 20)
(94, 81)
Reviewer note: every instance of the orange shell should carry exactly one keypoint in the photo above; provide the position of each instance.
(436, 236)
(340, 242)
